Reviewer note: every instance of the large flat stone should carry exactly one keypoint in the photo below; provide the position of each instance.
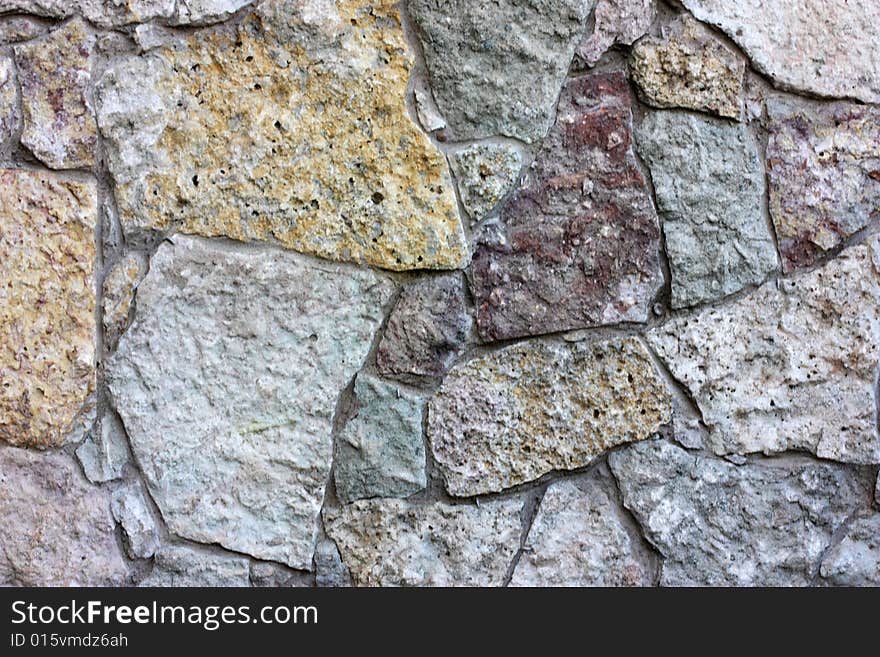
(292, 129)
(227, 382)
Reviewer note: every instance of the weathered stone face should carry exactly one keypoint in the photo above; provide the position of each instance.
(47, 307)
(689, 68)
(114, 13)
(709, 184)
(824, 170)
(823, 47)
(717, 524)
(395, 543)
(55, 529)
(292, 130)
(20, 28)
(518, 413)
(227, 383)
(9, 119)
(855, 561)
(497, 68)
(485, 173)
(129, 507)
(55, 73)
(579, 538)
(201, 12)
(578, 245)
(791, 368)
(104, 452)
(615, 22)
(176, 565)
(119, 287)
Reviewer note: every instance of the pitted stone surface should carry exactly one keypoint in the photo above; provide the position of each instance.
(497, 68)
(294, 130)
(518, 413)
(824, 171)
(578, 244)
(709, 184)
(227, 383)
(179, 566)
(792, 368)
(395, 543)
(55, 529)
(855, 561)
(615, 22)
(717, 524)
(485, 173)
(20, 28)
(47, 307)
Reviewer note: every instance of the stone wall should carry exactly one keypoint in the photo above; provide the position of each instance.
(439, 292)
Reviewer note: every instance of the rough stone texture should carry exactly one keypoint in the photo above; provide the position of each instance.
(615, 22)
(201, 12)
(227, 382)
(877, 491)
(579, 538)
(329, 569)
(789, 368)
(19, 28)
(709, 184)
(426, 107)
(380, 451)
(579, 242)
(47, 307)
(485, 173)
(180, 566)
(114, 13)
(130, 509)
(292, 130)
(824, 171)
(58, 124)
(119, 287)
(855, 560)
(265, 574)
(496, 68)
(9, 119)
(517, 413)
(824, 47)
(426, 330)
(717, 524)
(55, 529)
(394, 543)
(688, 67)
(104, 452)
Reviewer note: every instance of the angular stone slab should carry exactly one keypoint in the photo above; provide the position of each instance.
(709, 183)
(717, 524)
(823, 164)
(104, 453)
(55, 529)
(227, 383)
(615, 22)
(855, 560)
(485, 173)
(787, 369)
(824, 47)
(47, 307)
(119, 287)
(279, 133)
(9, 114)
(579, 538)
(396, 543)
(497, 68)
(578, 244)
(116, 13)
(202, 12)
(515, 414)
(130, 509)
(179, 566)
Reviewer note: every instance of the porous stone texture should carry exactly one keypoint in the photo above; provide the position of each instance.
(497, 68)
(855, 560)
(380, 451)
(517, 413)
(709, 184)
(55, 529)
(824, 47)
(688, 67)
(791, 367)
(227, 383)
(9, 116)
(579, 538)
(201, 12)
(329, 569)
(58, 124)
(47, 307)
(116, 13)
(177, 565)
(104, 452)
(119, 287)
(718, 524)
(131, 511)
(293, 129)
(823, 164)
(615, 22)
(426, 330)
(395, 543)
(485, 172)
(19, 28)
(578, 243)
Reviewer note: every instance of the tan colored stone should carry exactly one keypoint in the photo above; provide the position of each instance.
(47, 306)
(119, 288)
(293, 130)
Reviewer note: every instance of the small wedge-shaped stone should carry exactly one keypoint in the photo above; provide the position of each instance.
(855, 560)
(788, 368)
(119, 287)
(47, 307)
(717, 524)
(518, 413)
(615, 22)
(485, 173)
(293, 129)
(396, 543)
(824, 170)
(179, 566)
(9, 114)
(140, 534)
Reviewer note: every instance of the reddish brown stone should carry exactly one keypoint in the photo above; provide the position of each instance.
(578, 243)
